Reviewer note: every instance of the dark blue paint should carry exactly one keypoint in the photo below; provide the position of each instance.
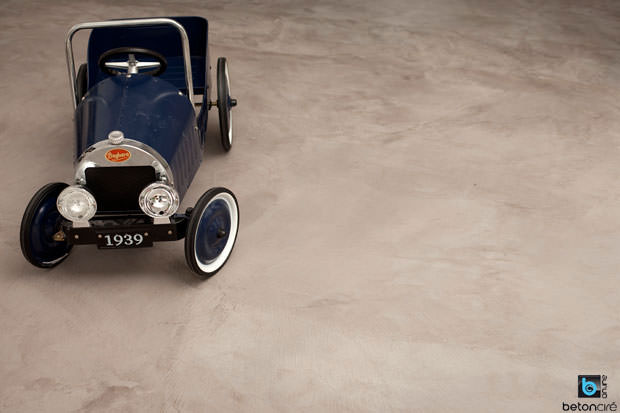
(209, 242)
(147, 109)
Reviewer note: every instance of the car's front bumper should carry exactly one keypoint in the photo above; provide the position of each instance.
(173, 231)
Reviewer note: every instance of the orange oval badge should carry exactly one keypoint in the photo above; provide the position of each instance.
(117, 155)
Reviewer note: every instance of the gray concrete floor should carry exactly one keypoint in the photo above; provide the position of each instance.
(429, 216)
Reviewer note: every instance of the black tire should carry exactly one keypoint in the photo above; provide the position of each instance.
(206, 250)
(224, 103)
(40, 221)
(81, 82)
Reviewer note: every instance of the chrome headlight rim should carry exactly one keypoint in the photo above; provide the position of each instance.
(73, 193)
(146, 200)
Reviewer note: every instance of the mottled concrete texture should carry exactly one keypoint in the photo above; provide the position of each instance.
(429, 216)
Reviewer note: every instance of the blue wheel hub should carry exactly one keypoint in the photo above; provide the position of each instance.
(213, 231)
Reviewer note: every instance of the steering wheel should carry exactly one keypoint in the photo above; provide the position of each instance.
(132, 66)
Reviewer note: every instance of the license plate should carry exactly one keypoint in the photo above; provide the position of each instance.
(126, 239)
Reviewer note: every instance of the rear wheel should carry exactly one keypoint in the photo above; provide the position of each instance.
(211, 232)
(81, 83)
(224, 103)
(40, 222)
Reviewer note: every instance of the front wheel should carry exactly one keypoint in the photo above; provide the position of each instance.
(40, 222)
(211, 232)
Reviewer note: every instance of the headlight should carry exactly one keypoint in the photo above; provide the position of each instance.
(159, 200)
(76, 204)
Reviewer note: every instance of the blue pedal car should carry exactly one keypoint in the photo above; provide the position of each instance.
(140, 135)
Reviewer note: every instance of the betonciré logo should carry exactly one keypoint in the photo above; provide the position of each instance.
(589, 386)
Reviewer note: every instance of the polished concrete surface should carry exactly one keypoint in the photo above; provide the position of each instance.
(430, 216)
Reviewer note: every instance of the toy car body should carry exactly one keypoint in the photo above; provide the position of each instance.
(139, 143)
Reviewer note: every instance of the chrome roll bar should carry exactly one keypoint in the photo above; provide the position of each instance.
(124, 23)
